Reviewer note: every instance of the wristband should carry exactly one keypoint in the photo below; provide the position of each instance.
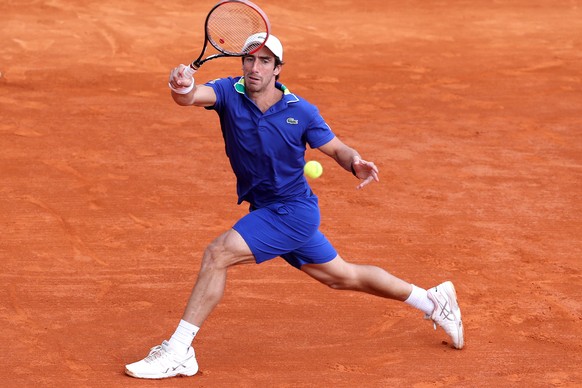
(185, 90)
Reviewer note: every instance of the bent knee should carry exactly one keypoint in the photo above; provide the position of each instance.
(226, 251)
(214, 256)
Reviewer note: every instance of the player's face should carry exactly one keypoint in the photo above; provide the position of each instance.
(259, 70)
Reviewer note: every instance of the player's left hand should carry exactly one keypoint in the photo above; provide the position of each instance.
(366, 171)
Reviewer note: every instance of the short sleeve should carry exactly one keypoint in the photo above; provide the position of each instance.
(220, 87)
(318, 132)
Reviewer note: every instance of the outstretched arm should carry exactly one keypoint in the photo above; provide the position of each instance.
(350, 160)
(185, 91)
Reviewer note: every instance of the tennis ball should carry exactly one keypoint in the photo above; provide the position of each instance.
(313, 169)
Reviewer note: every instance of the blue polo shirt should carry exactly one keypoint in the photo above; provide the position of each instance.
(267, 150)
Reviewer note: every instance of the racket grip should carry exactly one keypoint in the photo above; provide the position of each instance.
(189, 71)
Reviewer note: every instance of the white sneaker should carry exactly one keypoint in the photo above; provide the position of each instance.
(447, 313)
(162, 362)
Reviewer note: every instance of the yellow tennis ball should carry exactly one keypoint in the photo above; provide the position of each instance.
(313, 169)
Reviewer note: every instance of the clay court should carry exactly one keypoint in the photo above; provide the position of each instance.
(110, 192)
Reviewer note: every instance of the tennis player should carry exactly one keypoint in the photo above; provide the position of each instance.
(266, 130)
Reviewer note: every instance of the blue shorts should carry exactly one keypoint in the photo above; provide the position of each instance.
(288, 229)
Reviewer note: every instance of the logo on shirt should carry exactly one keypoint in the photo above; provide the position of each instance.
(291, 120)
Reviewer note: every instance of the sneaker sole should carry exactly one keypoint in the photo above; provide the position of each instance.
(187, 373)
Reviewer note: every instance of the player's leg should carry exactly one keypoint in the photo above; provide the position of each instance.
(225, 251)
(259, 236)
(176, 356)
(438, 303)
(341, 275)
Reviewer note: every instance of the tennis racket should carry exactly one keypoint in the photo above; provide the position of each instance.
(228, 26)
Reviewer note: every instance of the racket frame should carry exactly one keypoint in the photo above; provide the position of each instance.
(195, 65)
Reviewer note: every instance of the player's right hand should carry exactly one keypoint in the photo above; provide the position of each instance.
(177, 78)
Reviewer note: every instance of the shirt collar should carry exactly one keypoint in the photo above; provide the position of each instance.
(288, 97)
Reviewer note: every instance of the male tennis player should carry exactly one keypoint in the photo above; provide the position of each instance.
(266, 129)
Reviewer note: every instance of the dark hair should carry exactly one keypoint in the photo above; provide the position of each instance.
(278, 62)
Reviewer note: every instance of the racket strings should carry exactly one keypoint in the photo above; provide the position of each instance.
(230, 25)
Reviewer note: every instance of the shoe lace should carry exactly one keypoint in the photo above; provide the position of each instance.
(155, 353)
(429, 318)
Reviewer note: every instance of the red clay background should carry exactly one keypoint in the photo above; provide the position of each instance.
(109, 193)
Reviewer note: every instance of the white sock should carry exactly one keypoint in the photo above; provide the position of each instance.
(419, 299)
(182, 338)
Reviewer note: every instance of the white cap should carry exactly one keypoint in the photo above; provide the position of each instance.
(272, 44)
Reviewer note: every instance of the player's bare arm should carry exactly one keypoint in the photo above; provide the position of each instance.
(351, 160)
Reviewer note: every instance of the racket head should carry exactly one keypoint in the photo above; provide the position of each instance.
(231, 22)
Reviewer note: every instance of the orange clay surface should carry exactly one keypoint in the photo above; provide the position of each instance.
(110, 192)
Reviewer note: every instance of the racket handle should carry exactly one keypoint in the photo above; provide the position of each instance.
(189, 71)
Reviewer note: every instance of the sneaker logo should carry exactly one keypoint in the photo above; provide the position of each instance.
(291, 120)
(446, 312)
(182, 364)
